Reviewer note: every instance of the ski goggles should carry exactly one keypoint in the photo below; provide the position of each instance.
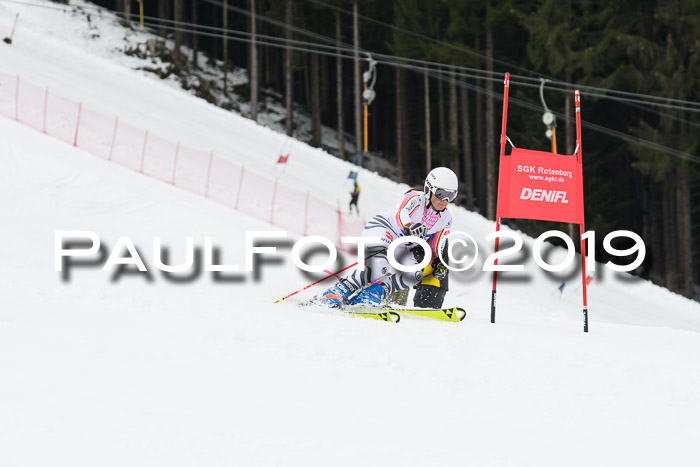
(442, 194)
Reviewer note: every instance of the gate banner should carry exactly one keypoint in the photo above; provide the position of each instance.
(540, 185)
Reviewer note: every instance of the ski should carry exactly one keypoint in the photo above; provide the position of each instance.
(387, 315)
(382, 315)
(444, 314)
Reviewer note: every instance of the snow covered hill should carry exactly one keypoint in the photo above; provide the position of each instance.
(101, 368)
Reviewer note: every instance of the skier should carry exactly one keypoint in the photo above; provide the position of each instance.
(354, 195)
(421, 214)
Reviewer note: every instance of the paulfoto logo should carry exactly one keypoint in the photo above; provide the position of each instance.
(85, 244)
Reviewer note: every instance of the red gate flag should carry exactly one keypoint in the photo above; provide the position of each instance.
(283, 159)
(540, 185)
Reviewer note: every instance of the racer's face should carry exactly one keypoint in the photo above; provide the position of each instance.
(438, 204)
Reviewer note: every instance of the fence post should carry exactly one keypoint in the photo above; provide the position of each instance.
(272, 207)
(211, 161)
(77, 124)
(306, 214)
(46, 100)
(340, 225)
(114, 138)
(240, 185)
(143, 152)
(17, 99)
(177, 151)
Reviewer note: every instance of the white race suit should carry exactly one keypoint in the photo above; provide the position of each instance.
(391, 224)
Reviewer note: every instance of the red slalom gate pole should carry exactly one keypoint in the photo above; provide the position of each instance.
(8, 40)
(581, 225)
(506, 85)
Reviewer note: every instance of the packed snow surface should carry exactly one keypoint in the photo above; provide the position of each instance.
(144, 369)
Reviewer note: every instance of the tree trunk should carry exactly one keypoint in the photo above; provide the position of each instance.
(454, 132)
(358, 81)
(212, 49)
(339, 89)
(288, 70)
(324, 84)
(224, 23)
(265, 53)
(399, 124)
(428, 156)
(669, 233)
(441, 106)
(480, 150)
(307, 87)
(195, 38)
(224, 44)
(684, 241)
(178, 13)
(315, 103)
(127, 12)
(467, 176)
(253, 72)
(658, 267)
(164, 13)
(490, 135)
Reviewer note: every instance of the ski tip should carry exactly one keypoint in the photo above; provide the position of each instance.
(455, 314)
(388, 316)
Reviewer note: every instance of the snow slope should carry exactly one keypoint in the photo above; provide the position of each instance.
(105, 369)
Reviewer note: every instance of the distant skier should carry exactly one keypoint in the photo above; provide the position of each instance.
(421, 214)
(354, 195)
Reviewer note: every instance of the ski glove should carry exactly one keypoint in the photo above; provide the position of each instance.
(416, 229)
(439, 269)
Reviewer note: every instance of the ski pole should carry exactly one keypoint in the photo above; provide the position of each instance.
(328, 276)
(328, 272)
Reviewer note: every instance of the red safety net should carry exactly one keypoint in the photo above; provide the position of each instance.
(127, 148)
(351, 226)
(95, 133)
(61, 117)
(191, 168)
(255, 196)
(322, 219)
(224, 180)
(159, 158)
(30, 107)
(288, 210)
(8, 95)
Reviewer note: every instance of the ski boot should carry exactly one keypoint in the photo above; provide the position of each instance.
(336, 296)
(371, 295)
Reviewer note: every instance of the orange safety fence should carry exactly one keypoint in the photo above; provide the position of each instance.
(200, 172)
(159, 158)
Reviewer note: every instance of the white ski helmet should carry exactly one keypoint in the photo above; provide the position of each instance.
(441, 182)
